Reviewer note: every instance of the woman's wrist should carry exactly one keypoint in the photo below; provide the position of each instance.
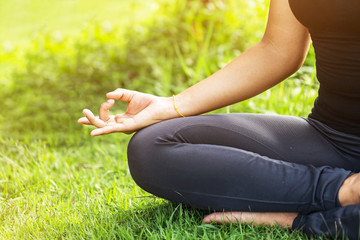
(176, 107)
(168, 110)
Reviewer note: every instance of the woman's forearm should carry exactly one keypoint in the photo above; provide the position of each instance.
(256, 70)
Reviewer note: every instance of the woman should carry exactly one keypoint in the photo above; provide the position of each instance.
(258, 168)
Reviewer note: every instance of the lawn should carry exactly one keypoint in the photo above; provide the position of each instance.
(84, 191)
(56, 182)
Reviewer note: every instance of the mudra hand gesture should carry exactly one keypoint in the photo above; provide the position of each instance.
(143, 110)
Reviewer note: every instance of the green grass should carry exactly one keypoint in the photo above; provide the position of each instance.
(84, 191)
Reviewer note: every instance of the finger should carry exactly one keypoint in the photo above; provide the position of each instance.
(211, 218)
(119, 118)
(108, 129)
(105, 108)
(83, 120)
(92, 119)
(121, 94)
(223, 217)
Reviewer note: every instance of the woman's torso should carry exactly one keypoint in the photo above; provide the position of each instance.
(334, 26)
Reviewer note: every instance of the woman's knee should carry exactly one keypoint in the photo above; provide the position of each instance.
(145, 143)
(138, 153)
(151, 150)
(145, 156)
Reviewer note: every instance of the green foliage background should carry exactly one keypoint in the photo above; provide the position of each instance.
(182, 43)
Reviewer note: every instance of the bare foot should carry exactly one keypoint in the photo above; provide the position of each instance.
(349, 192)
(268, 218)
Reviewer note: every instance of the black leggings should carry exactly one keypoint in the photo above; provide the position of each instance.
(247, 162)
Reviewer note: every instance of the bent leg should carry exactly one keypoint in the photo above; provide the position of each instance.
(243, 162)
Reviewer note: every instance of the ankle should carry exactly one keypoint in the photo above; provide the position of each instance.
(349, 192)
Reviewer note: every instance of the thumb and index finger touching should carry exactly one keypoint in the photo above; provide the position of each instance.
(118, 94)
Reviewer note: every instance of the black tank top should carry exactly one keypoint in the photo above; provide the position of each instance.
(334, 26)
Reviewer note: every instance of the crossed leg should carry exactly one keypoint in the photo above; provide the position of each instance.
(242, 162)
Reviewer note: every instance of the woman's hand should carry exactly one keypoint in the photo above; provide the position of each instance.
(143, 110)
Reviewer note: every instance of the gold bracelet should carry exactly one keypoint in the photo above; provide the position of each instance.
(176, 108)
